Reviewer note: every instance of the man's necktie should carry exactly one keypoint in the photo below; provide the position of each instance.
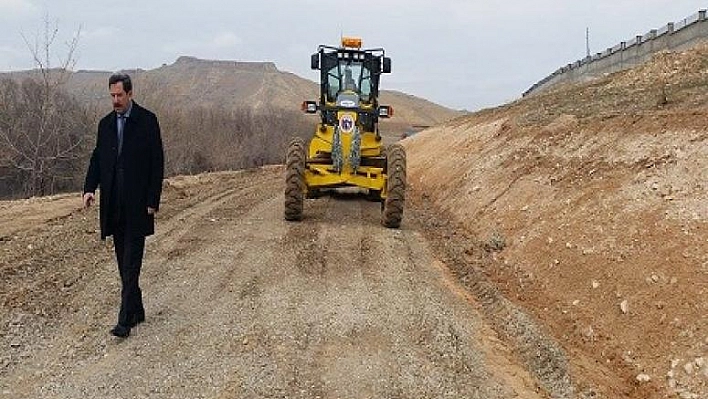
(121, 125)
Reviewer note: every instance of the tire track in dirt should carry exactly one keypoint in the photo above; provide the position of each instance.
(474, 345)
(542, 356)
(416, 350)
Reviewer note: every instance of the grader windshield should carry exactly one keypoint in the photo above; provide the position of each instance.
(349, 76)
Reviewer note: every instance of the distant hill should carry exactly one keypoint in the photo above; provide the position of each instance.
(221, 115)
(235, 85)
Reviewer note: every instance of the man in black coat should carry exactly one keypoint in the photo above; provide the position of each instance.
(128, 165)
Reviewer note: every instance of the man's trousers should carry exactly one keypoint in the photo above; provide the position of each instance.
(129, 253)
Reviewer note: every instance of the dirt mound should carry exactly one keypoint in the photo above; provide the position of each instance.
(588, 205)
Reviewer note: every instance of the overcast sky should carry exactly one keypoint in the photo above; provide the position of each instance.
(461, 54)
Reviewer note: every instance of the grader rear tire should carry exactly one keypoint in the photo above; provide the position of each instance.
(295, 186)
(392, 212)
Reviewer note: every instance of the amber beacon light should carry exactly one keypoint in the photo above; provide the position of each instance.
(351, 42)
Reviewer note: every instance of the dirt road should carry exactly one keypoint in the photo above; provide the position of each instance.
(241, 304)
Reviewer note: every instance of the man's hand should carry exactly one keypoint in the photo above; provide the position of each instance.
(151, 211)
(89, 199)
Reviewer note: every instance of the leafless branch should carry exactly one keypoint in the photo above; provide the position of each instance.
(43, 128)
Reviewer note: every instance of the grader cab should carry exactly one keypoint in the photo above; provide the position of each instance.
(346, 149)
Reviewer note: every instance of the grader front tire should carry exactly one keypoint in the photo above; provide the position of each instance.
(295, 186)
(392, 212)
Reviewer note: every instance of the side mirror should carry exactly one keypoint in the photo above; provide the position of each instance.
(315, 61)
(386, 65)
(309, 107)
(385, 111)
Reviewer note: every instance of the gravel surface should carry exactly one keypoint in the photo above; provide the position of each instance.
(242, 304)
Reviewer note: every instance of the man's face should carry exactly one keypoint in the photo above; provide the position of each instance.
(120, 98)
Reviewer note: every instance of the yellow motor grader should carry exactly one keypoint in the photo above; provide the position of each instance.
(346, 149)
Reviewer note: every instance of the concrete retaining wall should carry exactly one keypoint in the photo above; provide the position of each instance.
(673, 36)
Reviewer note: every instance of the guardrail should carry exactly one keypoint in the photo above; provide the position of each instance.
(672, 36)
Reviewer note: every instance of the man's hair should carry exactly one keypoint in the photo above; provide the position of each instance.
(121, 77)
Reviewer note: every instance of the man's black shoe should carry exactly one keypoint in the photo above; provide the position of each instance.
(120, 331)
(137, 319)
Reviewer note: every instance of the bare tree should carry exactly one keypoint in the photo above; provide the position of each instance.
(42, 128)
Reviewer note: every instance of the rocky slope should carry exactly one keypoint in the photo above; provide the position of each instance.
(588, 205)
